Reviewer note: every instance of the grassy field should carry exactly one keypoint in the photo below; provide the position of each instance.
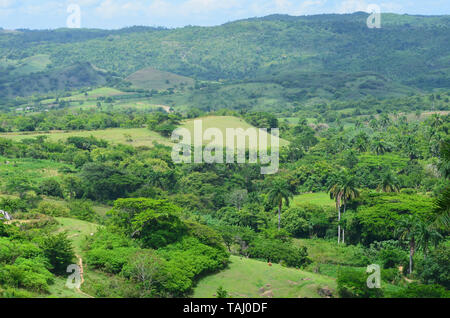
(224, 122)
(319, 198)
(150, 78)
(32, 64)
(34, 170)
(77, 230)
(248, 278)
(139, 136)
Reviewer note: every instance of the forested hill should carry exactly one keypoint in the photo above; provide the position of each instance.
(413, 51)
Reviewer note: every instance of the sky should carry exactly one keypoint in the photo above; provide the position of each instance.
(115, 14)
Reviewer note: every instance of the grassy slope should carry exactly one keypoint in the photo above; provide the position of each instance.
(76, 231)
(150, 78)
(222, 123)
(319, 198)
(140, 136)
(245, 277)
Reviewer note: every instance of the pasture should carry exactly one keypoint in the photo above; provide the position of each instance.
(130, 136)
(250, 278)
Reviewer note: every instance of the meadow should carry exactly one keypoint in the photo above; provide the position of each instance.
(249, 278)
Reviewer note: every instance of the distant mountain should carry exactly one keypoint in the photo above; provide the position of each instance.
(408, 53)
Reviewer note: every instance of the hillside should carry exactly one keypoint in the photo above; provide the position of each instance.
(150, 78)
(242, 49)
(31, 80)
(248, 278)
(224, 122)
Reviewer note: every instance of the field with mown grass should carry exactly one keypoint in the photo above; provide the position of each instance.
(222, 123)
(131, 136)
(319, 198)
(250, 278)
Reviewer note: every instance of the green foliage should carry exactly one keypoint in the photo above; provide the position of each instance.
(352, 283)
(221, 292)
(59, 251)
(415, 290)
(278, 251)
(378, 213)
(435, 268)
(154, 222)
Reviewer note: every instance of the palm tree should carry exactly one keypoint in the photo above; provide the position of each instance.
(442, 208)
(388, 183)
(380, 147)
(336, 192)
(279, 190)
(407, 230)
(442, 203)
(426, 234)
(349, 193)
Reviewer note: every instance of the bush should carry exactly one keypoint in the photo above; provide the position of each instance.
(52, 209)
(415, 290)
(276, 251)
(435, 269)
(59, 251)
(50, 187)
(82, 210)
(352, 283)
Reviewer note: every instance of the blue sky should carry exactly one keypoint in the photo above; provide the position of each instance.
(113, 14)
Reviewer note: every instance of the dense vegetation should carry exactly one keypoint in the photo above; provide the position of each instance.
(364, 162)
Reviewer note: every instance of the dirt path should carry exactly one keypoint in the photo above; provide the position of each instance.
(80, 264)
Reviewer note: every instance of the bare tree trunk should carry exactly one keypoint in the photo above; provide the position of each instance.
(343, 230)
(338, 202)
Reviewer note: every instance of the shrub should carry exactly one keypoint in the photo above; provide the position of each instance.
(435, 269)
(50, 187)
(352, 283)
(277, 251)
(59, 251)
(415, 290)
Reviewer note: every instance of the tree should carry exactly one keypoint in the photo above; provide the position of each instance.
(19, 184)
(278, 190)
(343, 190)
(407, 230)
(427, 235)
(221, 292)
(442, 202)
(59, 251)
(349, 193)
(388, 183)
(146, 268)
(380, 147)
(335, 191)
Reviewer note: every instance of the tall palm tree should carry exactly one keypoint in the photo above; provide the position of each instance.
(349, 193)
(388, 183)
(279, 190)
(336, 193)
(407, 230)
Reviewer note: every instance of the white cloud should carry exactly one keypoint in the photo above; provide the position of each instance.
(5, 4)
